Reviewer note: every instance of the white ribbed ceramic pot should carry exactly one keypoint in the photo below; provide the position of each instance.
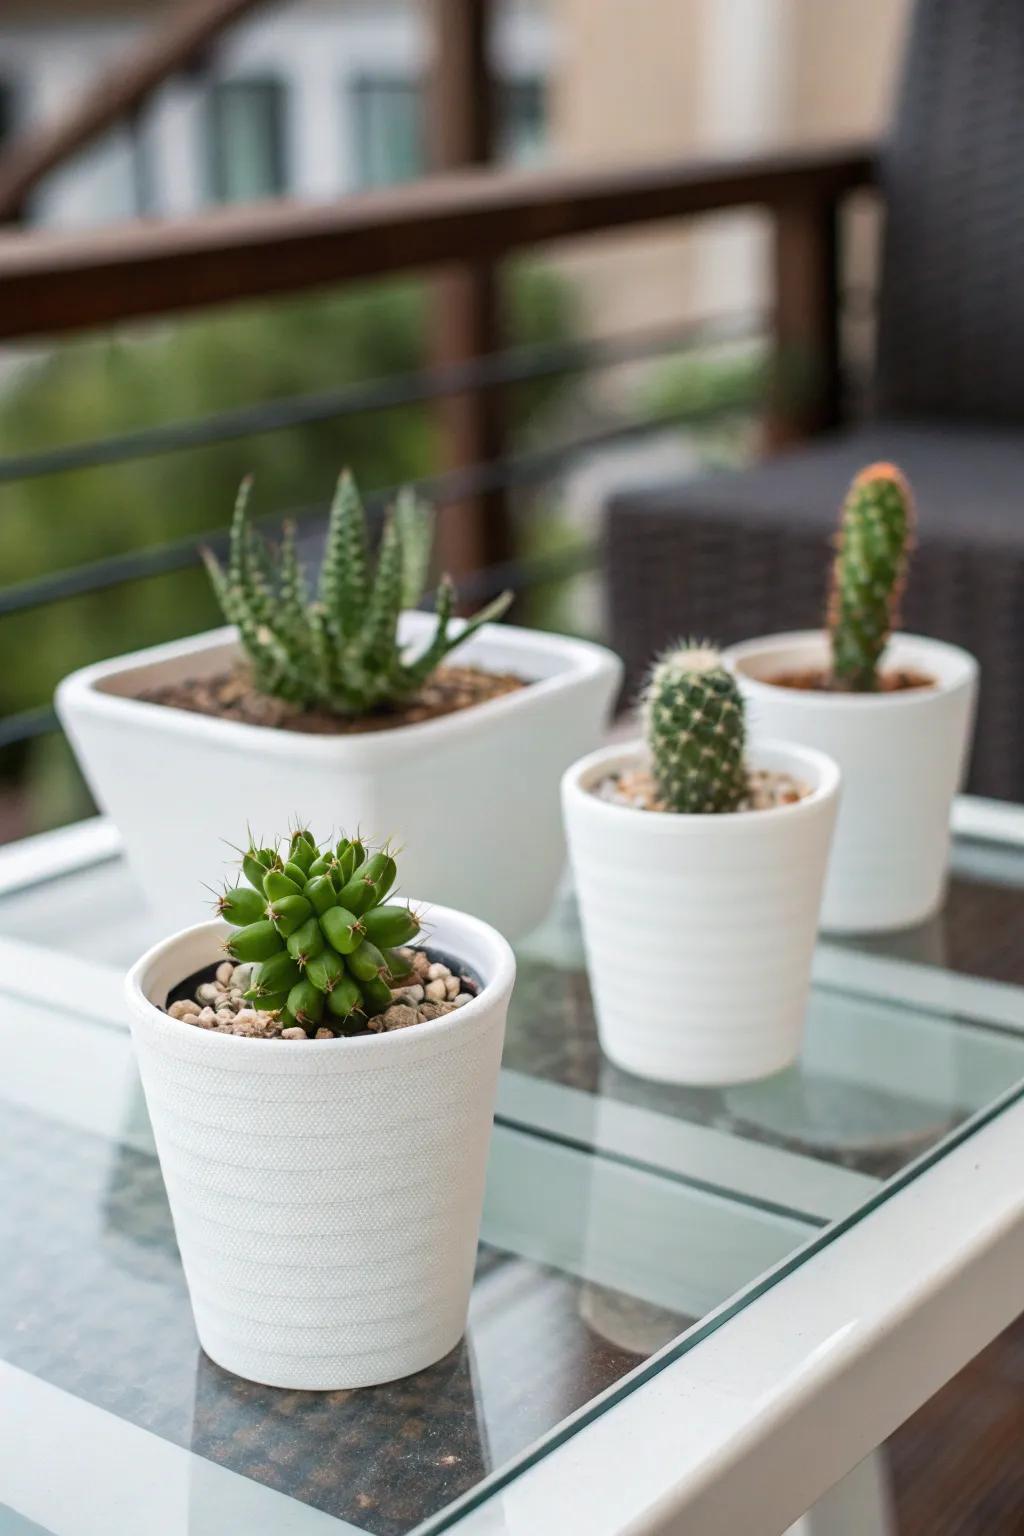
(903, 756)
(326, 1194)
(699, 929)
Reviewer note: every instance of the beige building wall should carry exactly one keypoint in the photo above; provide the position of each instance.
(652, 79)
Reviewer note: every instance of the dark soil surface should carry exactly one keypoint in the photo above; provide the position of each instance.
(816, 680)
(231, 696)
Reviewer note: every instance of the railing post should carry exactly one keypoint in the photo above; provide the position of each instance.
(806, 383)
(473, 532)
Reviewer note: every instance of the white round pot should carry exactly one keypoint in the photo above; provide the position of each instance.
(699, 930)
(472, 796)
(903, 756)
(326, 1194)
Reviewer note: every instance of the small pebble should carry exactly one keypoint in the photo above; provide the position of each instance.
(420, 964)
(253, 1027)
(225, 971)
(324, 1034)
(415, 993)
(398, 1016)
(296, 1032)
(206, 992)
(434, 1010)
(225, 1016)
(242, 977)
(246, 1016)
(181, 1009)
(437, 971)
(452, 986)
(436, 990)
(207, 1017)
(462, 998)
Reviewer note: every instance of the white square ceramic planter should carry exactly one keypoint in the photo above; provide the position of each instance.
(471, 797)
(903, 756)
(326, 1194)
(699, 929)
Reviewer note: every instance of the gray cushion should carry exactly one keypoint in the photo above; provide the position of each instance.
(968, 483)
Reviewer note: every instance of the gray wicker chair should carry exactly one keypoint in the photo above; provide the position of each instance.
(746, 553)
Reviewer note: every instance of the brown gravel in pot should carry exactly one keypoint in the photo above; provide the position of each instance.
(230, 696)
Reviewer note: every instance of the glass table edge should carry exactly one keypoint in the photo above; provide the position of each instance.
(741, 1301)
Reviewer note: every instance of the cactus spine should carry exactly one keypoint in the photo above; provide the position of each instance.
(318, 963)
(695, 731)
(868, 574)
(339, 652)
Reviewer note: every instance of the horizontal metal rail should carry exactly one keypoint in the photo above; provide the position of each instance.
(454, 485)
(27, 724)
(514, 471)
(520, 365)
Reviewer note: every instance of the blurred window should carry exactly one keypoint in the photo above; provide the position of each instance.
(524, 124)
(388, 121)
(246, 129)
(386, 112)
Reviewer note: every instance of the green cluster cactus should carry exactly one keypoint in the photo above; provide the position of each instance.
(317, 926)
(696, 731)
(868, 574)
(339, 652)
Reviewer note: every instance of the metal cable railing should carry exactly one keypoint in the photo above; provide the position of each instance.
(509, 472)
(521, 365)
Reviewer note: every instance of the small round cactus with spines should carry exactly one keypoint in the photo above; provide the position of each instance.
(696, 731)
(315, 924)
(868, 574)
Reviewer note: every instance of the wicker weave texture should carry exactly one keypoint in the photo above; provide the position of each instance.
(951, 315)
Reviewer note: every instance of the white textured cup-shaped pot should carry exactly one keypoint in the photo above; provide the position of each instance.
(903, 756)
(326, 1194)
(699, 929)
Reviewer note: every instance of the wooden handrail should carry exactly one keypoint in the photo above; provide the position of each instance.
(117, 95)
(52, 282)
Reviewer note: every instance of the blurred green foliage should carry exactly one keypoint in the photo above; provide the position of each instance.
(84, 391)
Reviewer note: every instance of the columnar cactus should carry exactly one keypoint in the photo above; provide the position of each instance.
(868, 574)
(695, 731)
(315, 923)
(340, 652)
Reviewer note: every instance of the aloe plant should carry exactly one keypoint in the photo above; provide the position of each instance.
(338, 651)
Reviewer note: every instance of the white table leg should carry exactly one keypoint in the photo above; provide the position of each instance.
(859, 1505)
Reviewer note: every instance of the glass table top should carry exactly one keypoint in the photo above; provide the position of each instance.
(623, 1219)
